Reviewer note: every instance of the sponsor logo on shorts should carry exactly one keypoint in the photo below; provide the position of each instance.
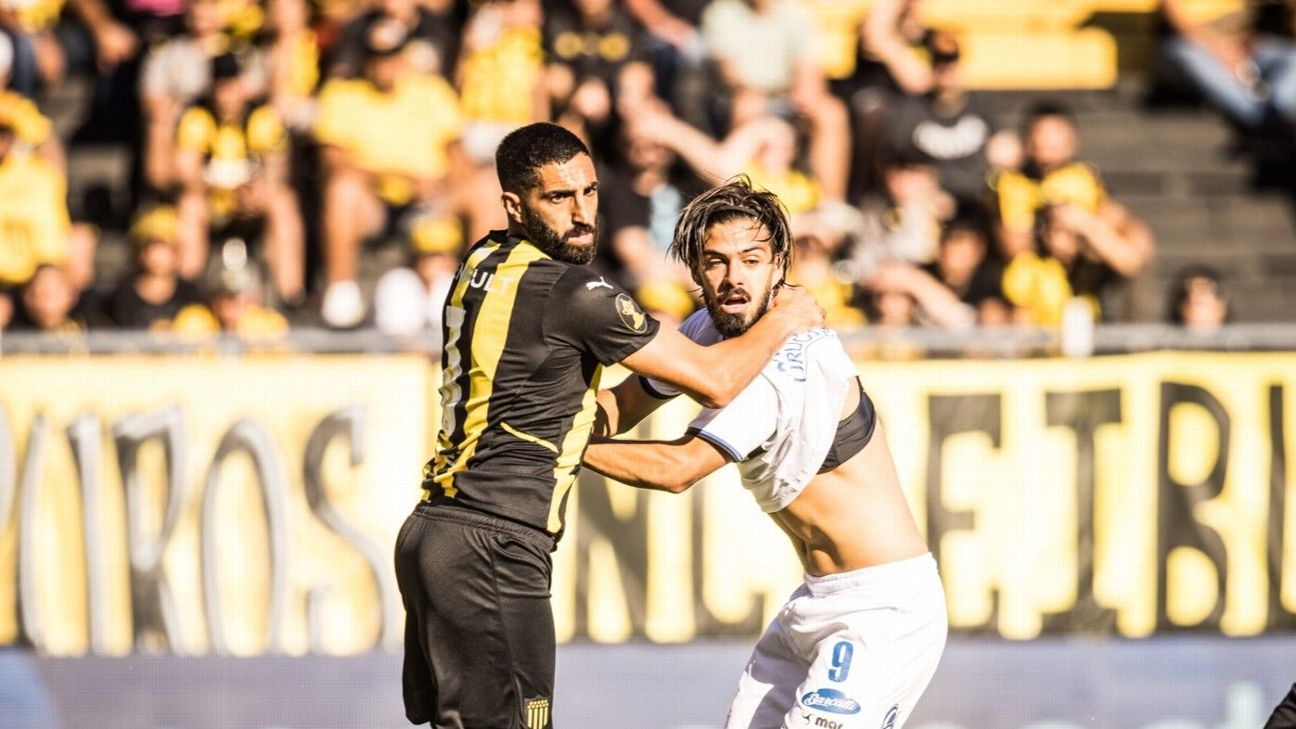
(892, 715)
(537, 713)
(831, 701)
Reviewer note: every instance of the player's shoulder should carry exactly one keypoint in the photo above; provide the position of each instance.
(814, 348)
(578, 283)
(700, 328)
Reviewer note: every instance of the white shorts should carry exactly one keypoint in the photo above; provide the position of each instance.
(853, 650)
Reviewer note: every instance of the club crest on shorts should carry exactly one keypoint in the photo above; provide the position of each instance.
(892, 715)
(537, 713)
(831, 701)
(630, 312)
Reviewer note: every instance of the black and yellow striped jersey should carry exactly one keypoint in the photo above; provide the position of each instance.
(526, 338)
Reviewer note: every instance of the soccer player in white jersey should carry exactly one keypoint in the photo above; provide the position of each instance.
(857, 643)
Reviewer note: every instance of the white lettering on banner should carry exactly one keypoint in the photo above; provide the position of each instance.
(271, 505)
(1124, 495)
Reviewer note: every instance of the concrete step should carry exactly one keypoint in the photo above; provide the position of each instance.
(1231, 224)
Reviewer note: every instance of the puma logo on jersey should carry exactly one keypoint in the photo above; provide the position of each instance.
(598, 284)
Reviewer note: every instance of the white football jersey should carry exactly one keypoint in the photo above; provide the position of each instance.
(780, 428)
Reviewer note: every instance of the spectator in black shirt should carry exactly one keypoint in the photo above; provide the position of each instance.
(598, 63)
(1199, 301)
(962, 264)
(960, 287)
(151, 297)
(1095, 252)
(644, 192)
(953, 128)
(49, 304)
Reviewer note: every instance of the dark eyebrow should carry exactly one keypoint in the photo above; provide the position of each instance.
(564, 191)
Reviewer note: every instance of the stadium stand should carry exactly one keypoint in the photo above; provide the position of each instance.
(1211, 193)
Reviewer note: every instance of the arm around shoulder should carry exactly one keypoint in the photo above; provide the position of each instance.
(671, 466)
(715, 375)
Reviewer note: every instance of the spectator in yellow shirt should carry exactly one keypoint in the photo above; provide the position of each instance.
(33, 212)
(31, 128)
(233, 307)
(1051, 175)
(232, 160)
(389, 144)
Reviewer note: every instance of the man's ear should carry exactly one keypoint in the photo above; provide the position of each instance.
(693, 274)
(512, 206)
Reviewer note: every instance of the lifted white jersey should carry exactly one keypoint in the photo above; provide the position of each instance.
(780, 428)
(853, 650)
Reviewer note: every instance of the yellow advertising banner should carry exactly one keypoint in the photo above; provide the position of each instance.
(249, 506)
(206, 505)
(1123, 495)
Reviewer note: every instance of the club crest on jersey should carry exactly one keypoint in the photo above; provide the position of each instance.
(892, 715)
(630, 312)
(537, 713)
(831, 701)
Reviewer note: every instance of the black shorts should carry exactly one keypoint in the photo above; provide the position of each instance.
(479, 632)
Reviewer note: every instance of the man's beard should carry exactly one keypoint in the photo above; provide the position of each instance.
(734, 325)
(558, 246)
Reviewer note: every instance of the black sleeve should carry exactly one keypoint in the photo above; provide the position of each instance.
(595, 315)
(1284, 715)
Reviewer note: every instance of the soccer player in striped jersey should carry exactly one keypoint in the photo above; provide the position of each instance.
(527, 330)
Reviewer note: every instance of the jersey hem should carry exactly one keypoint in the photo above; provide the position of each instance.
(718, 442)
(653, 392)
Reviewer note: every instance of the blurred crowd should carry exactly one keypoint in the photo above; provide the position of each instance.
(276, 144)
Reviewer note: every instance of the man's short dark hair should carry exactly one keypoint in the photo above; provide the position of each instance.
(1047, 108)
(965, 226)
(1181, 287)
(524, 151)
(731, 201)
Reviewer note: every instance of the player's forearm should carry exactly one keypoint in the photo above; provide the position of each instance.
(651, 465)
(734, 363)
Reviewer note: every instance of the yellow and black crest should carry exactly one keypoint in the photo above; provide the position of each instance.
(631, 314)
(537, 713)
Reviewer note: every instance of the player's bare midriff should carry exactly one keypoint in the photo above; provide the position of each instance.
(855, 515)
